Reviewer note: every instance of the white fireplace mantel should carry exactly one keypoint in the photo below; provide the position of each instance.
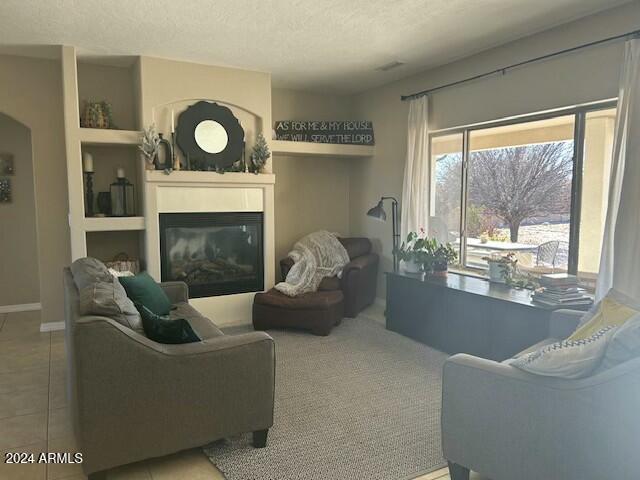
(192, 191)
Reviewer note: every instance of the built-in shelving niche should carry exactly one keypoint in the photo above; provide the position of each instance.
(106, 246)
(106, 160)
(111, 79)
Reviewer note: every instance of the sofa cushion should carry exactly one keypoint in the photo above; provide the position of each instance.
(108, 298)
(142, 289)
(356, 246)
(624, 345)
(200, 324)
(162, 329)
(330, 283)
(89, 270)
(321, 300)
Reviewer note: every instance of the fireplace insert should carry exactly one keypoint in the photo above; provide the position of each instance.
(214, 253)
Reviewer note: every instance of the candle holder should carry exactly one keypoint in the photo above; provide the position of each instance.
(88, 196)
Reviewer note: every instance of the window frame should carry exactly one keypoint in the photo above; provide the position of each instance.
(580, 114)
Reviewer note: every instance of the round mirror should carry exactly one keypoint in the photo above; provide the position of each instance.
(211, 136)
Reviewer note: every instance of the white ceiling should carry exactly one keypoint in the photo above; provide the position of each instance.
(321, 45)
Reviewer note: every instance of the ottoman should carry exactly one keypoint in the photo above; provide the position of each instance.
(314, 311)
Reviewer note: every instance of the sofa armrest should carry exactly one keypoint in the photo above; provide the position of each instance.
(564, 322)
(198, 392)
(494, 415)
(359, 282)
(178, 292)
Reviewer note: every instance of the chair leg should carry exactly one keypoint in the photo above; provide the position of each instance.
(260, 438)
(458, 472)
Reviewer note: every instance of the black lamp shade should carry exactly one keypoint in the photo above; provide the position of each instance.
(378, 212)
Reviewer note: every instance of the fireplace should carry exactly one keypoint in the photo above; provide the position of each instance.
(214, 253)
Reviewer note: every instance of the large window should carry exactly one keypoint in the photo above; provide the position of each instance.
(536, 187)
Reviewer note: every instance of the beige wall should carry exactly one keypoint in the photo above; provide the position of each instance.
(31, 93)
(311, 193)
(584, 76)
(18, 239)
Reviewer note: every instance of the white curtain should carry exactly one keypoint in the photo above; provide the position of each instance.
(416, 186)
(620, 258)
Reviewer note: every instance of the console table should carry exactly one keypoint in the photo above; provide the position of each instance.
(464, 314)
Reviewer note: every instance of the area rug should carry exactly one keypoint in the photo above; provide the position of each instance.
(362, 403)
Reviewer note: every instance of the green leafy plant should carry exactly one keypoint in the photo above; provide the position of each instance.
(428, 252)
(413, 248)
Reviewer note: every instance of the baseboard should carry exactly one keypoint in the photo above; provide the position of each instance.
(25, 307)
(51, 326)
(235, 322)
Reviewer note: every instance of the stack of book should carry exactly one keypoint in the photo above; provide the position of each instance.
(561, 290)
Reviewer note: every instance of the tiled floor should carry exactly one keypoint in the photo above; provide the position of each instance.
(34, 416)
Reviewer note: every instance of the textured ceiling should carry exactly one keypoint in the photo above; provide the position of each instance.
(322, 45)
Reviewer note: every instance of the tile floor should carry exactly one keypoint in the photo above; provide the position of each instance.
(34, 416)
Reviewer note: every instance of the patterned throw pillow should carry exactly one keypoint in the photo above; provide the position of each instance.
(582, 353)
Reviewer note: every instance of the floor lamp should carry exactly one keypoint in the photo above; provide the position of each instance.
(379, 213)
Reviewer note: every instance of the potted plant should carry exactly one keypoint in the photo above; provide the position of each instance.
(443, 255)
(412, 251)
(501, 267)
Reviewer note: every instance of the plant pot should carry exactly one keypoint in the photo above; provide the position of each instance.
(439, 269)
(496, 272)
(411, 266)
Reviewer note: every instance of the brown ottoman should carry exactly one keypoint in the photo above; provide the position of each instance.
(315, 311)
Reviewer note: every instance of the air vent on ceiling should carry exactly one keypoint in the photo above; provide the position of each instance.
(390, 66)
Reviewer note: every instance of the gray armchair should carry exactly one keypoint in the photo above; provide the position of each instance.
(132, 398)
(508, 424)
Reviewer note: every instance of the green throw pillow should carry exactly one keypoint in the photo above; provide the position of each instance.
(163, 329)
(143, 290)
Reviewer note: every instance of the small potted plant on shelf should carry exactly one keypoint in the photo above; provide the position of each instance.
(412, 252)
(438, 257)
(501, 267)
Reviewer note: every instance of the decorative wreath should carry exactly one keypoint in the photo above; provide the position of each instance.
(186, 139)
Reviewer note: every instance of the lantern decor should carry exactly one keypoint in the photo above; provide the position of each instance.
(123, 198)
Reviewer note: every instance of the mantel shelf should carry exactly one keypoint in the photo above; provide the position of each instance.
(97, 136)
(189, 176)
(113, 224)
(310, 149)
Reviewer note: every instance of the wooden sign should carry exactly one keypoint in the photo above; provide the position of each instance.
(346, 132)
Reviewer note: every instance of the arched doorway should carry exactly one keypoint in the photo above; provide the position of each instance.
(19, 271)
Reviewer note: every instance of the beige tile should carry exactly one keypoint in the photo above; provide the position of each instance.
(134, 471)
(14, 358)
(57, 395)
(26, 471)
(24, 380)
(22, 324)
(60, 423)
(24, 402)
(23, 430)
(188, 465)
(57, 471)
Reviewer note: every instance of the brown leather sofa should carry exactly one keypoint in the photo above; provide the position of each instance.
(359, 277)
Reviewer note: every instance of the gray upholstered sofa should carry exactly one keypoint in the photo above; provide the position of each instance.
(132, 398)
(508, 424)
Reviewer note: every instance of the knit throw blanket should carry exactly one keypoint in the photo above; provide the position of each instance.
(318, 255)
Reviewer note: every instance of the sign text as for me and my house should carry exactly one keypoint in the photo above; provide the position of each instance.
(352, 132)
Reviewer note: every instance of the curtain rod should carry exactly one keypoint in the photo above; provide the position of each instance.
(504, 70)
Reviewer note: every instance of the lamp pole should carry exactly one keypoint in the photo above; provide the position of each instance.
(395, 227)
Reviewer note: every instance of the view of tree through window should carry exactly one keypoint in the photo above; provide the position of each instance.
(517, 194)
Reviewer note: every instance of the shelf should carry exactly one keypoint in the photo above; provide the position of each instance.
(97, 136)
(113, 224)
(309, 149)
(190, 176)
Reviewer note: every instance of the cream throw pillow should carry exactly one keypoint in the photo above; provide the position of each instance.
(580, 354)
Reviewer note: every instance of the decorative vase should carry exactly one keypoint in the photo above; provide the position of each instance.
(410, 266)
